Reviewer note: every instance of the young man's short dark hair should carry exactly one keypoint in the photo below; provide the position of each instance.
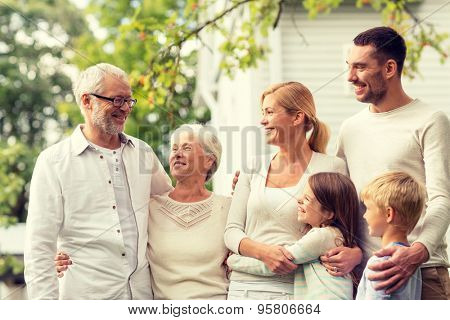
(387, 43)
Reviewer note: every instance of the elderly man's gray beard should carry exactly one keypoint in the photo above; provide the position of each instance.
(104, 121)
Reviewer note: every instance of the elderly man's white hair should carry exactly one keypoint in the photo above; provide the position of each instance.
(91, 79)
(208, 140)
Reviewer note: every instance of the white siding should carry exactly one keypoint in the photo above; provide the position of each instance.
(320, 65)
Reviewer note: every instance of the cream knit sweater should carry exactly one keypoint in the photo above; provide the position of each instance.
(186, 248)
(415, 139)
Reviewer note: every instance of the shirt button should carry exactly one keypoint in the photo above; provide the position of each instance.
(101, 157)
(117, 160)
(114, 207)
(118, 231)
(123, 254)
(109, 181)
(114, 152)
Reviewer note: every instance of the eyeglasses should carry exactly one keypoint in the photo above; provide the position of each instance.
(118, 101)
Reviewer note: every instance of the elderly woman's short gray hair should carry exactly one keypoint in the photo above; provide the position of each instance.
(208, 140)
(91, 79)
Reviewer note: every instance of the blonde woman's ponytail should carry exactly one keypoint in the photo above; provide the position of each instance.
(320, 136)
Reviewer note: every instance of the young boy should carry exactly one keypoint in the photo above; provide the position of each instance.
(394, 202)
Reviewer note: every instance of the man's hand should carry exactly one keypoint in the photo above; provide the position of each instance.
(394, 273)
(235, 181)
(278, 259)
(62, 261)
(340, 261)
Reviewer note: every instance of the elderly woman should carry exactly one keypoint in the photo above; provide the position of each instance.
(263, 213)
(185, 248)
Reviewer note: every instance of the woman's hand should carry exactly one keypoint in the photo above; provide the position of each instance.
(340, 261)
(277, 259)
(235, 181)
(62, 261)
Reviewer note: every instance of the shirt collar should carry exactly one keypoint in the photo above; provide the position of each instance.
(80, 143)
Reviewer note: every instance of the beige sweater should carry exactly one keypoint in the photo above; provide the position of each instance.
(415, 139)
(186, 248)
(251, 214)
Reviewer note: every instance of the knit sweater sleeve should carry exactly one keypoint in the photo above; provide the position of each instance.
(248, 265)
(435, 142)
(313, 244)
(235, 227)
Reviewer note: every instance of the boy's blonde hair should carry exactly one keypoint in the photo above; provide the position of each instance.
(401, 192)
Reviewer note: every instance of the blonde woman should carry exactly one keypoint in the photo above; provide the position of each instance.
(263, 213)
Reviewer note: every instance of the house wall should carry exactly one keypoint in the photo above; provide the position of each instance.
(320, 64)
(312, 52)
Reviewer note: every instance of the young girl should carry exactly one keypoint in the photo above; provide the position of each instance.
(328, 209)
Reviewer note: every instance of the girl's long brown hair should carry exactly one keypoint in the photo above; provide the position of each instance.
(336, 193)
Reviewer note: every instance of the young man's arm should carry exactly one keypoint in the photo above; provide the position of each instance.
(45, 216)
(436, 157)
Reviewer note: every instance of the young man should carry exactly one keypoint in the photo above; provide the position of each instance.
(394, 202)
(397, 132)
(90, 193)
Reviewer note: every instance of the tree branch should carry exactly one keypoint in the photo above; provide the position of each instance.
(197, 30)
(211, 21)
(205, 44)
(280, 9)
(171, 89)
(297, 29)
(411, 14)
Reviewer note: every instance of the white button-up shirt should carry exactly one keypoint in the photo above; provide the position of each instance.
(127, 220)
(73, 208)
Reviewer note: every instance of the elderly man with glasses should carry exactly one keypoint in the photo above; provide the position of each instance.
(89, 197)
